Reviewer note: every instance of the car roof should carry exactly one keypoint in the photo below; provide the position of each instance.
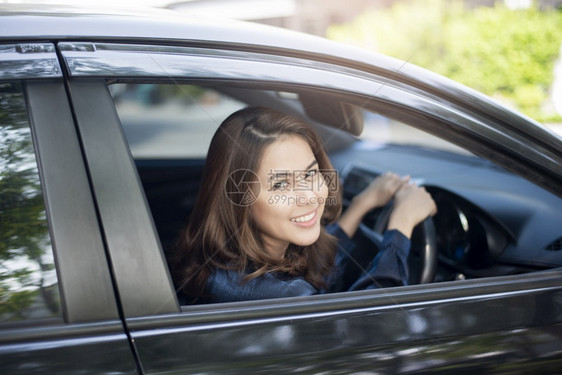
(24, 22)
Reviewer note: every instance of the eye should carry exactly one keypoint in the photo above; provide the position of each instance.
(311, 173)
(281, 185)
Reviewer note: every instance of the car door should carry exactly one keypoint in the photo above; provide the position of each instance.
(58, 308)
(492, 324)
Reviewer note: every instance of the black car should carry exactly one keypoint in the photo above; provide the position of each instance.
(105, 120)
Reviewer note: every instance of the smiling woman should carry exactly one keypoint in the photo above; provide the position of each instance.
(273, 242)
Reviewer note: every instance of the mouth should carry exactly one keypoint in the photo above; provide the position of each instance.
(305, 218)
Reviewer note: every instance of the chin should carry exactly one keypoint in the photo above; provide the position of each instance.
(307, 240)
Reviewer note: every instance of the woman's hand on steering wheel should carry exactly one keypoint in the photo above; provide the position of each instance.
(412, 205)
(381, 190)
(403, 206)
(377, 194)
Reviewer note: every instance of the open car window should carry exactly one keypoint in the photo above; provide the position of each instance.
(169, 127)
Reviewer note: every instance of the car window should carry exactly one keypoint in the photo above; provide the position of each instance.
(28, 280)
(170, 121)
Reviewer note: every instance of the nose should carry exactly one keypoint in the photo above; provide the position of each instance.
(306, 196)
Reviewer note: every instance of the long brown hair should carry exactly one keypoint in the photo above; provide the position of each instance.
(220, 232)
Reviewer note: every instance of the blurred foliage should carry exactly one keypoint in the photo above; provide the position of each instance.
(24, 236)
(156, 94)
(507, 54)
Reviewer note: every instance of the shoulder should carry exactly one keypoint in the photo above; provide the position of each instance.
(229, 286)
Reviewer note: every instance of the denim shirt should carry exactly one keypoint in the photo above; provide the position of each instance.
(388, 268)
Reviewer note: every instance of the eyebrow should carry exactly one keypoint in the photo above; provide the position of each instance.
(314, 162)
(285, 172)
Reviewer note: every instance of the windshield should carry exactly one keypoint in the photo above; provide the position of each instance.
(382, 130)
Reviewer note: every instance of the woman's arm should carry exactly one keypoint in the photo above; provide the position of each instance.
(390, 266)
(356, 269)
(412, 204)
(377, 194)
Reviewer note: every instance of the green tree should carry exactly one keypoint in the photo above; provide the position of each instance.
(23, 230)
(507, 54)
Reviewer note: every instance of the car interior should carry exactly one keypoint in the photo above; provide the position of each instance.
(490, 222)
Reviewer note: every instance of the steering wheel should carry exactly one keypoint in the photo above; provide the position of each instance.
(422, 261)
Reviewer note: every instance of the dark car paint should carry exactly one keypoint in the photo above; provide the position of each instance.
(83, 348)
(365, 341)
(130, 322)
(420, 329)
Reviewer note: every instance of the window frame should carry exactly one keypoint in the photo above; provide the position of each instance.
(133, 246)
(94, 65)
(67, 195)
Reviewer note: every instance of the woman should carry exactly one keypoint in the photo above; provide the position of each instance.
(264, 224)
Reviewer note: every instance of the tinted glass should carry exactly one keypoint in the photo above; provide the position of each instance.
(28, 282)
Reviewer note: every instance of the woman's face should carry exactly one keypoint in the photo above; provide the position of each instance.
(292, 198)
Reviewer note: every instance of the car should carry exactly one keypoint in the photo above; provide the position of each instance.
(105, 121)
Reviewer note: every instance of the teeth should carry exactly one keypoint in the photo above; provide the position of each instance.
(303, 219)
